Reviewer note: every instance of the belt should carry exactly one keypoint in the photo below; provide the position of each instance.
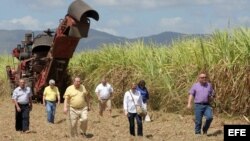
(23, 104)
(104, 99)
(78, 108)
(51, 101)
(202, 103)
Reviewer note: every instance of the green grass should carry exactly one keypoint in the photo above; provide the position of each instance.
(4, 84)
(170, 71)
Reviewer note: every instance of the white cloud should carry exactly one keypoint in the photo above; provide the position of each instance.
(156, 4)
(42, 4)
(178, 24)
(244, 20)
(108, 30)
(116, 26)
(124, 21)
(170, 22)
(121, 4)
(26, 22)
(107, 2)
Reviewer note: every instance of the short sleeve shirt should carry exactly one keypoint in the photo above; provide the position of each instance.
(22, 95)
(201, 93)
(51, 93)
(76, 97)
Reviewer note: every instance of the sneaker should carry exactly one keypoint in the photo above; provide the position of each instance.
(26, 132)
(85, 135)
(197, 133)
(204, 132)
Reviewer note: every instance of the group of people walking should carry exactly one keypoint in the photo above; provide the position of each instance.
(77, 104)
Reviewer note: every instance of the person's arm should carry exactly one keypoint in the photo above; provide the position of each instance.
(14, 99)
(87, 100)
(192, 92)
(190, 99)
(58, 96)
(65, 105)
(30, 99)
(211, 94)
(97, 93)
(125, 104)
(30, 103)
(44, 95)
(44, 100)
(66, 100)
(16, 104)
(111, 92)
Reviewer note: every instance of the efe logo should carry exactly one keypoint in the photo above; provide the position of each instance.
(236, 132)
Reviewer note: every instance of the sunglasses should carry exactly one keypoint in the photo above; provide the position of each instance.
(203, 77)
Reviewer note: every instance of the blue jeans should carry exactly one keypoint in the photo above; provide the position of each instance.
(200, 111)
(51, 110)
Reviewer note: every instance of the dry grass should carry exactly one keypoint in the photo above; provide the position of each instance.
(163, 127)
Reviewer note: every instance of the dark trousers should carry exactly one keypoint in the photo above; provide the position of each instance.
(131, 119)
(22, 117)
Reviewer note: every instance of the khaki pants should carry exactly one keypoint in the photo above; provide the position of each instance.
(103, 104)
(76, 115)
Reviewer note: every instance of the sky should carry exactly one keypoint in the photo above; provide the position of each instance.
(132, 18)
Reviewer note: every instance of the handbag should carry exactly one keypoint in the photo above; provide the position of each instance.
(139, 110)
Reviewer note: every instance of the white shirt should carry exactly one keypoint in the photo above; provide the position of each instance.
(129, 104)
(104, 91)
(22, 95)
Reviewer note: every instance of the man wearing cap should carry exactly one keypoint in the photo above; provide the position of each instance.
(50, 95)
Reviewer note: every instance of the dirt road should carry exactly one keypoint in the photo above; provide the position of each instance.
(164, 127)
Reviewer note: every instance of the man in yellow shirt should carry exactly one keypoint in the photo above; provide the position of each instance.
(50, 95)
(76, 101)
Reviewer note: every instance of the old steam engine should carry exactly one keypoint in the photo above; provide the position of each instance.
(46, 56)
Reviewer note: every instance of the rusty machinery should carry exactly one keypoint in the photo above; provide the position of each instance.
(46, 56)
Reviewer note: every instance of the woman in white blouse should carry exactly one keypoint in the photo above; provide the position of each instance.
(132, 98)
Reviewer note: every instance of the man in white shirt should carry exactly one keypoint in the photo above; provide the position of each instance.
(104, 93)
(23, 104)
